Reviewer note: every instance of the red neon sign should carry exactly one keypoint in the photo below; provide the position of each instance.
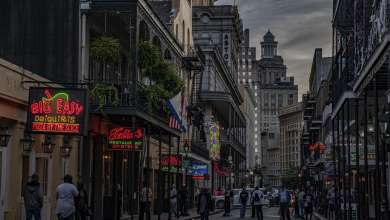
(123, 138)
(56, 110)
(174, 161)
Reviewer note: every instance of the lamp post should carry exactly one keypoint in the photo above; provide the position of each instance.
(186, 148)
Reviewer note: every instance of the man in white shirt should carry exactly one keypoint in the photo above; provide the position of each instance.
(66, 194)
(257, 200)
(173, 202)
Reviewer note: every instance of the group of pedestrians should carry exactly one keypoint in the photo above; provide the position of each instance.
(71, 200)
(303, 204)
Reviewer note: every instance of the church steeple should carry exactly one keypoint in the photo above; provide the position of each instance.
(269, 47)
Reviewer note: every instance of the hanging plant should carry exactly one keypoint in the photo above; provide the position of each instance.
(148, 57)
(105, 49)
(166, 82)
(102, 91)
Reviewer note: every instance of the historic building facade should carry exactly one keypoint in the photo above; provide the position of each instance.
(291, 124)
(275, 91)
(219, 95)
(247, 77)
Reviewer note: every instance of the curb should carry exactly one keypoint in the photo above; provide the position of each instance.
(318, 216)
(198, 216)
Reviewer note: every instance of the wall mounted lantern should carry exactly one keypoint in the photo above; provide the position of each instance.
(27, 143)
(4, 137)
(48, 145)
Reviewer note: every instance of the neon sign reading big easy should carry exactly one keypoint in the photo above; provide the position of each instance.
(56, 110)
(57, 104)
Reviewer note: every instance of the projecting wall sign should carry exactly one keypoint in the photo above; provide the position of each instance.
(123, 138)
(57, 110)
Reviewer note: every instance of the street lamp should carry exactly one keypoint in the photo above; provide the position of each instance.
(27, 143)
(370, 124)
(4, 137)
(48, 145)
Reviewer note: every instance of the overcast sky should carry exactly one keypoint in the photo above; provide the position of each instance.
(299, 26)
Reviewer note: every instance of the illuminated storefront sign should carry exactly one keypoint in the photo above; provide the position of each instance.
(171, 163)
(214, 141)
(57, 110)
(123, 138)
(199, 171)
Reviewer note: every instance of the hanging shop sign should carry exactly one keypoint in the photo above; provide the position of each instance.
(370, 155)
(57, 110)
(214, 142)
(124, 138)
(198, 171)
(170, 163)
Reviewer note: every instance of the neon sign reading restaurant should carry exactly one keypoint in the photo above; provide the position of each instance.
(123, 138)
(55, 110)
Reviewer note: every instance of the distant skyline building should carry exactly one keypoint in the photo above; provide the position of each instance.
(291, 124)
(247, 78)
(275, 91)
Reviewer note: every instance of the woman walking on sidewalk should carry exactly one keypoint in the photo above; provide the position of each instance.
(204, 204)
(309, 198)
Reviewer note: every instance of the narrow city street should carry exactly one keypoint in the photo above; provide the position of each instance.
(269, 214)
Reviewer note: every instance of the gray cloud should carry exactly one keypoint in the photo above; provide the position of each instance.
(300, 26)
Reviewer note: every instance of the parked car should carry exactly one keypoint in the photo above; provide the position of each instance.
(219, 202)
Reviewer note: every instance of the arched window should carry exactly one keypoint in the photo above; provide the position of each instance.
(183, 40)
(177, 31)
(188, 38)
(156, 42)
(167, 55)
(143, 32)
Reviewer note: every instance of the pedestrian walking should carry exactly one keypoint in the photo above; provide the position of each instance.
(183, 201)
(33, 198)
(296, 204)
(301, 203)
(258, 200)
(173, 202)
(204, 204)
(284, 201)
(309, 198)
(82, 208)
(145, 199)
(66, 194)
(331, 197)
(228, 197)
(252, 204)
(244, 196)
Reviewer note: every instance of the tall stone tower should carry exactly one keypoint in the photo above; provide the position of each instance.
(269, 47)
(275, 92)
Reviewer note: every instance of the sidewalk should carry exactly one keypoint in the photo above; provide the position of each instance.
(192, 215)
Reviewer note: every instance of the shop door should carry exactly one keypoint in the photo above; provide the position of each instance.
(2, 183)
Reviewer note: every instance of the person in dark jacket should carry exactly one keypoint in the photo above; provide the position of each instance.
(33, 198)
(82, 208)
(228, 199)
(183, 196)
(204, 204)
